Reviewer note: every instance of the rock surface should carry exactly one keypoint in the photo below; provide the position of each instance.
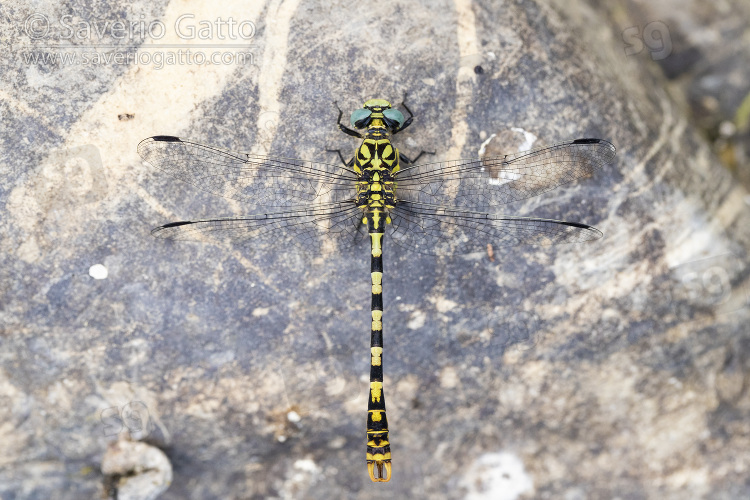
(613, 369)
(136, 470)
(703, 50)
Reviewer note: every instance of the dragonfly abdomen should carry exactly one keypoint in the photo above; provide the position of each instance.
(378, 446)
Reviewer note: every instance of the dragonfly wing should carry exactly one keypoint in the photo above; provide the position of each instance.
(306, 227)
(258, 180)
(437, 230)
(482, 184)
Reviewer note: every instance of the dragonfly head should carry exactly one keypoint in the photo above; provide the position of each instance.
(377, 113)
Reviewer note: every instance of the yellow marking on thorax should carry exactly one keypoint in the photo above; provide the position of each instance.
(376, 389)
(376, 353)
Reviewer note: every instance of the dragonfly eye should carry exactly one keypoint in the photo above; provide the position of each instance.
(361, 118)
(393, 118)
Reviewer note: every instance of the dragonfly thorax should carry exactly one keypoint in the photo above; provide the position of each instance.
(375, 163)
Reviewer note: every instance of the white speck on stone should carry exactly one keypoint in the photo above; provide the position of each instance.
(98, 272)
(445, 305)
(29, 250)
(260, 311)
(221, 358)
(496, 476)
(529, 139)
(504, 177)
(416, 321)
(448, 378)
(306, 465)
(293, 416)
(337, 443)
(281, 438)
(727, 129)
(484, 145)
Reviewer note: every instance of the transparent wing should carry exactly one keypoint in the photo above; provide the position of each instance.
(482, 184)
(260, 181)
(436, 230)
(306, 227)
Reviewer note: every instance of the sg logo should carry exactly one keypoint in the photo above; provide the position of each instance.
(133, 416)
(655, 37)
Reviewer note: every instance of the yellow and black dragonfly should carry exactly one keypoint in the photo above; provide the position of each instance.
(442, 208)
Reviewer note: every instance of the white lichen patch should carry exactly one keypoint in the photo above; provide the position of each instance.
(448, 378)
(443, 305)
(416, 320)
(528, 139)
(261, 311)
(484, 145)
(143, 471)
(496, 476)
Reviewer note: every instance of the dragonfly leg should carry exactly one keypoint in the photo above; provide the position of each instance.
(342, 127)
(408, 120)
(406, 159)
(349, 163)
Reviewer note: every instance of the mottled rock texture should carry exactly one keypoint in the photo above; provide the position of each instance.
(616, 369)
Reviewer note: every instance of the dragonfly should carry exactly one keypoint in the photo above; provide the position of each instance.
(444, 208)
